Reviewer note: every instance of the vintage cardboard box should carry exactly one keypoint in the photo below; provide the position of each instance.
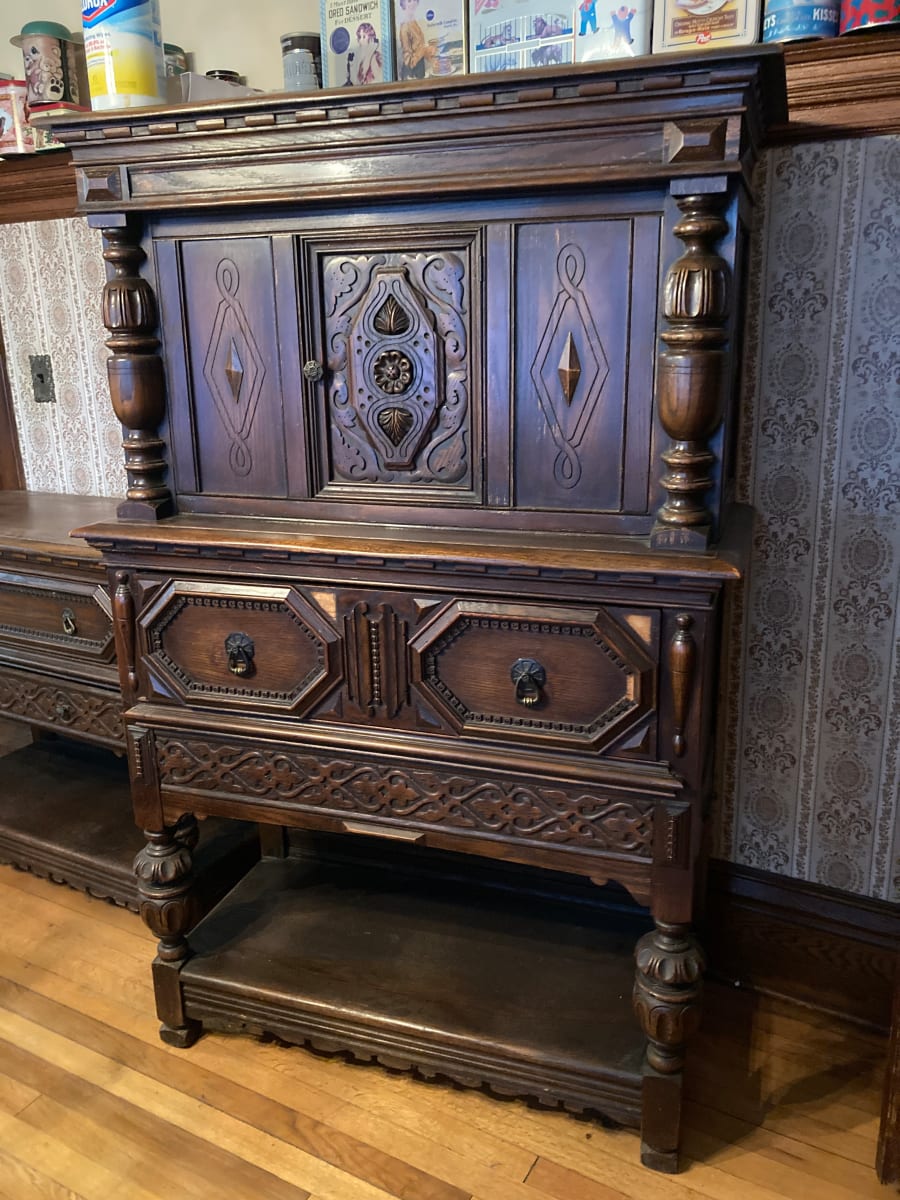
(429, 38)
(357, 43)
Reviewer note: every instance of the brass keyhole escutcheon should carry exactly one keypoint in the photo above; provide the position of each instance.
(64, 710)
(240, 650)
(529, 677)
(70, 627)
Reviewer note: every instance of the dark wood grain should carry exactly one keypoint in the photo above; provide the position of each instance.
(460, 589)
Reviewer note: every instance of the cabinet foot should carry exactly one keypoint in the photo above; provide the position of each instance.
(181, 1036)
(659, 1160)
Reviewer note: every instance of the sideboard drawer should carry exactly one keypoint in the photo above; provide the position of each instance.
(93, 714)
(47, 614)
(578, 677)
(238, 645)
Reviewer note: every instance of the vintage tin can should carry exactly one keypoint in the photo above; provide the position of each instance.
(866, 14)
(53, 61)
(786, 21)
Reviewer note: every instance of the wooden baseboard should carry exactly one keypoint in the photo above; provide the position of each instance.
(783, 937)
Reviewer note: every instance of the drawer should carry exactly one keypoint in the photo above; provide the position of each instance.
(44, 617)
(581, 678)
(481, 808)
(92, 714)
(237, 645)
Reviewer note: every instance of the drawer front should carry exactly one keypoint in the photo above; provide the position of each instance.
(238, 646)
(407, 800)
(49, 617)
(91, 714)
(584, 678)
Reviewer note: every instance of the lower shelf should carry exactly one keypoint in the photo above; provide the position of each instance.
(65, 814)
(517, 993)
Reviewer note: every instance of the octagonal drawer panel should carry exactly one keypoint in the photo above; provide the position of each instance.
(58, 617)
(238, 645)
(579, 677)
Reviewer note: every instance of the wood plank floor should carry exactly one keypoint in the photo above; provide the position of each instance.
(781, 1102)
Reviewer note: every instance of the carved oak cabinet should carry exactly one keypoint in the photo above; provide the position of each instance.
(428, 407)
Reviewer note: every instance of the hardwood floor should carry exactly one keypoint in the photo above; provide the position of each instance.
(782, 1102)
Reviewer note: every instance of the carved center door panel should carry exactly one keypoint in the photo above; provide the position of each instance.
(396, 348)
(585, 335)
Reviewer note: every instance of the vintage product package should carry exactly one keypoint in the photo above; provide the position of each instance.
(606, 29)
(687, 24)
(506, 34)
(429, 38)
(357, 42)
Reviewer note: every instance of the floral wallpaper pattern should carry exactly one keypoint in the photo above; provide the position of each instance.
(811, 769)
(51, 273)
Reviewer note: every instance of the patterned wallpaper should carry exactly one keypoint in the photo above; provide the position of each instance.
(811, 773)
(51, 273)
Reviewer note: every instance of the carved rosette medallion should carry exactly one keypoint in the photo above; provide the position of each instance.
(397, 342)
(667, 990)
(395, 367)
(234, 369)
(570, 367)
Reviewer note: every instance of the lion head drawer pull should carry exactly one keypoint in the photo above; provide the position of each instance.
(239, 648)
(529, 677)
(70, 628)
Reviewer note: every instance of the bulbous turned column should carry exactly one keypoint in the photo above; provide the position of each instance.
(135, 373)
(667, 990)
(691, 377)
(164, 873)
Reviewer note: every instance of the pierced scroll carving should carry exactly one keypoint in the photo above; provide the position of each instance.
(377, 675)
(563, 815)
(692, 369)
(682, 661)
(667, 990)
(569, 383)
(135, 375)
(234, 369)
(397, 346)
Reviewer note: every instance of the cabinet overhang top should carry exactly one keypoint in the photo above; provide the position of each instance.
(646, 119)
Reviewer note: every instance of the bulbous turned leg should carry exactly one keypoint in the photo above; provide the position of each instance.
(667, 991)
(164, 872)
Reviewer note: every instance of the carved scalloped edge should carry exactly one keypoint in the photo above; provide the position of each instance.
(60, 877)
(619, 1105)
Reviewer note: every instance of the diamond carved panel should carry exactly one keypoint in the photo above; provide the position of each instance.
(570, 367)
(234, 369)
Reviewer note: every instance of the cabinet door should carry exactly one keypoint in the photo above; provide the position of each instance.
(395, 338)
(233, 355)
(585, 332)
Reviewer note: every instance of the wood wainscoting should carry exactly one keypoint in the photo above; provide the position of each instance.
(784, 937)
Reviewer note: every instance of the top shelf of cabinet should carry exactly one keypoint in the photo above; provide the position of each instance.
(842, 87)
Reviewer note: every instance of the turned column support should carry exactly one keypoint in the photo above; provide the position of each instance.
(692, 371)
(164, 872)
(667, 992)
(136, 382)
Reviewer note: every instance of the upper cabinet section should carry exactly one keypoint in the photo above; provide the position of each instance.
(640, 119)
(500, 302)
